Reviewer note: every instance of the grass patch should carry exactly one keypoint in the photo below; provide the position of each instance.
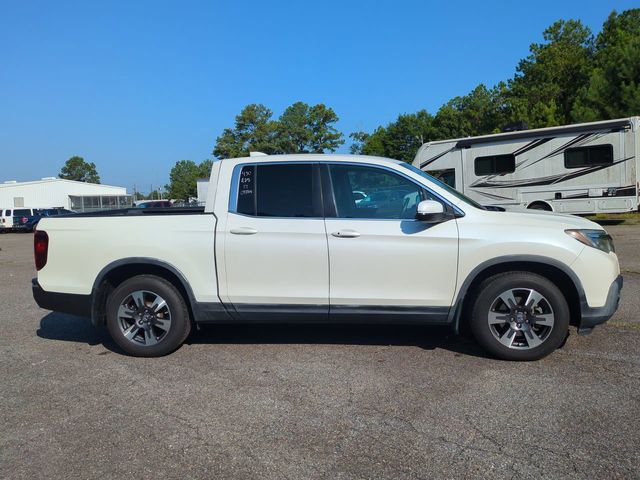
(617, 323)
(627, 218)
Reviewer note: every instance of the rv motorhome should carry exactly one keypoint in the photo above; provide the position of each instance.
(580, 169)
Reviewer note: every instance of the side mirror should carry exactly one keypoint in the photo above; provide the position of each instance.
(431, 211)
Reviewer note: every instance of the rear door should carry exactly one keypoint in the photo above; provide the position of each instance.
(383, 262)
(275, 245)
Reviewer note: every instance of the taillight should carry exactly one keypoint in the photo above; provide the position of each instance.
(40, 248)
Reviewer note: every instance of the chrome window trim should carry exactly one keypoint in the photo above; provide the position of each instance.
(235, 180)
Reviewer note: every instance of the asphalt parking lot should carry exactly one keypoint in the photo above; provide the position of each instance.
(312, 402)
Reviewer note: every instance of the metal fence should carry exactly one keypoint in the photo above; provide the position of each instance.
(94, 203)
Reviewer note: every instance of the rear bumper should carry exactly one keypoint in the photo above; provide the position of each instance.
(595, 316)
(70, 303)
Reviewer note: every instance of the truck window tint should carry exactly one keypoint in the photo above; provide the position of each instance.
(284, 190)
(593, 156)
(22, 213)
(494, 165)
(387, 195)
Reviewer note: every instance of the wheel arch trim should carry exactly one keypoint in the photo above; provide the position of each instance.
(540, 202)
(97, 315)
(456, 311)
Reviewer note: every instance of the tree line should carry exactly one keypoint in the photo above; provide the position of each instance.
(572, 76)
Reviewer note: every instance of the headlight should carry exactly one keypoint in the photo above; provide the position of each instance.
(594, 238)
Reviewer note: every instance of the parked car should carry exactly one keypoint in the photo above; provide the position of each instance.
(9, 218)
(283, 240)
(154, 204)
(358, 196)
(6, 220)
(32, 221)
(20, 218)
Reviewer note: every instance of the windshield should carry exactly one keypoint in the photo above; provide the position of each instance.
(443, 185)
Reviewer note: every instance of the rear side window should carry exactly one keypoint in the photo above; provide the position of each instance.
(494, 165)
(22, 213)
(282, 190)
(593, 156)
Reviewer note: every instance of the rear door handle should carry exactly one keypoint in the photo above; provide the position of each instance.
(347, 233)
(243, 231)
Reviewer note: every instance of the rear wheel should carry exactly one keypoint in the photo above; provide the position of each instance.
(519, 316)
(147, 316)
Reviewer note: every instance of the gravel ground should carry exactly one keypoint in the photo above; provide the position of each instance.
(312, 401)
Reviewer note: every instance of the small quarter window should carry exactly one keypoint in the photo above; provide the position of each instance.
(593, 156)
(495, 165)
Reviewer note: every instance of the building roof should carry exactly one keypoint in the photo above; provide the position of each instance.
(13, 183)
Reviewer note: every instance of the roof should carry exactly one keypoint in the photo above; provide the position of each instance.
(539, 132)
(317, 157)
(54, 180)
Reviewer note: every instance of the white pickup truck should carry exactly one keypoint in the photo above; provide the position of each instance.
(285, 239)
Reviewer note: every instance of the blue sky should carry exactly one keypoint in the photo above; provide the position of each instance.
(135, 86)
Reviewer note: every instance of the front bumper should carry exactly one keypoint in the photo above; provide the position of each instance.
(595, 316)
(70, 303)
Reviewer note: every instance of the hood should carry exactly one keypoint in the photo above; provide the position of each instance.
(544, 219)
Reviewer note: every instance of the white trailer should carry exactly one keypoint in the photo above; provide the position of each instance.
(580, 169)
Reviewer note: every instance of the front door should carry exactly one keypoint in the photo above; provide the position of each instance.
(383, 262)
(275, 246)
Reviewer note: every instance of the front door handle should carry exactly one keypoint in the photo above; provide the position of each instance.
(243, 231)
(347, 233)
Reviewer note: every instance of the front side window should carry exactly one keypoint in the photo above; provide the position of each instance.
(593, 156)
(386, 195)
(279, 190)
(494, 165)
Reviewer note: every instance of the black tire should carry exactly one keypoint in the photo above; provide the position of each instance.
(540, 206)
(519, 325)
(176, 312)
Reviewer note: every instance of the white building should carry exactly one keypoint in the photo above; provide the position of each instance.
(52, 192)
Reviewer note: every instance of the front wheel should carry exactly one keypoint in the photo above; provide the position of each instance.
(147, 316)
(519, 316)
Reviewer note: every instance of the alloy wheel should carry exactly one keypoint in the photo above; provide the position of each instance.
(144, 318)
(521, 318)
